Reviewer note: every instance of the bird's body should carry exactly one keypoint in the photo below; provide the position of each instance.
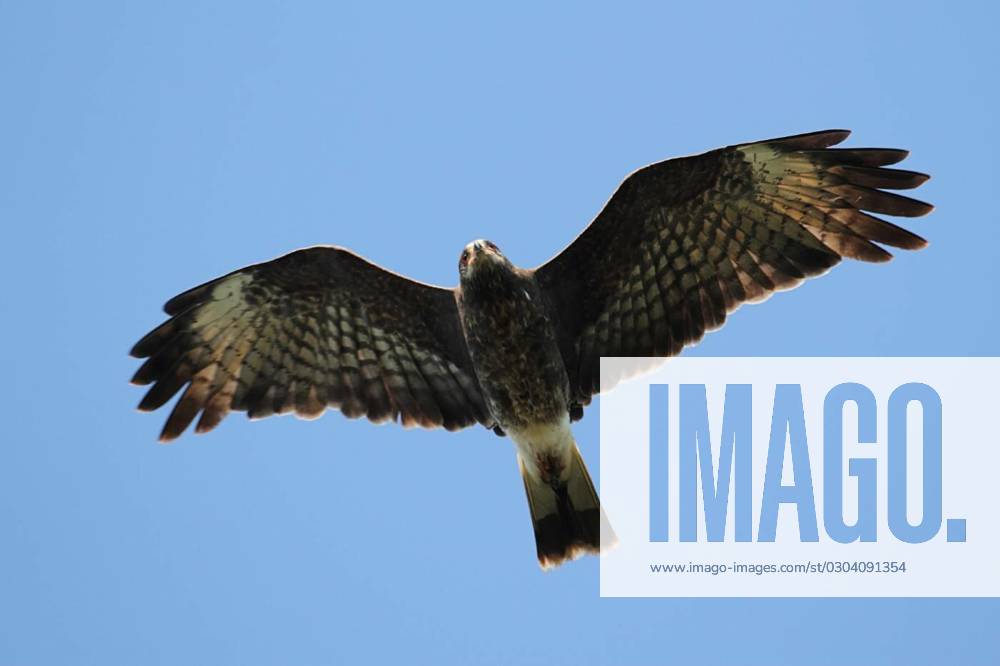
(512, 343)
(679, 246)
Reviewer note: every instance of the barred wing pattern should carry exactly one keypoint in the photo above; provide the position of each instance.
(684, 242)
(316, 328)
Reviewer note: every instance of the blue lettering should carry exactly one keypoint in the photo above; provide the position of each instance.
(930, 521)
(864, 470)
(696, 453)
(788, 422)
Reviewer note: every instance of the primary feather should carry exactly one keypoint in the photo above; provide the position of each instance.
(682, 243)
(316, 328)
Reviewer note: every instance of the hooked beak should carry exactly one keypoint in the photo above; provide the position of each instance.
(480, 249)
(480, 246)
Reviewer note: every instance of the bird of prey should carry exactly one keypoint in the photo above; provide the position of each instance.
(678, 246)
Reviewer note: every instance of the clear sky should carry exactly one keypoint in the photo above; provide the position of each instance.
(147, 147)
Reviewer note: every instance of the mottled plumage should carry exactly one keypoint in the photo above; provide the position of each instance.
(682, 243)
(679, 245)
(317, 328)
(513, 346)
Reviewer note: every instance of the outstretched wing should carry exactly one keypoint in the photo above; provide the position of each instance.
(316, 328)
(684, 242)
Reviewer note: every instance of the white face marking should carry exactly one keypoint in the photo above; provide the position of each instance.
(484, 253)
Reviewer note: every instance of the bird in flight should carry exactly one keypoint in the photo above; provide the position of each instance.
(679, 245)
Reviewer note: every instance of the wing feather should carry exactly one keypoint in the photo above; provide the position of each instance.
(313, 329)
(683, 243)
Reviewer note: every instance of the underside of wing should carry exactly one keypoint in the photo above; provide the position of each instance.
(682, 243)
(314, 329)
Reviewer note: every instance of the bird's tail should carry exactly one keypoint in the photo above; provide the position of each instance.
(567, 518)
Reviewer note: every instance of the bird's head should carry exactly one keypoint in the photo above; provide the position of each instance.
(478, 255)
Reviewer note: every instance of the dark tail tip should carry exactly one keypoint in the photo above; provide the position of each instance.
(567, 519)
(567, 534)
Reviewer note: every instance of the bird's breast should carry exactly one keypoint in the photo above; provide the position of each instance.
(514, 352)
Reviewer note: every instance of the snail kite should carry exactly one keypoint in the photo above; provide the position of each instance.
(680, 245)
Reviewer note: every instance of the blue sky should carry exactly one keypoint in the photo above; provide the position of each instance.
(145, 148)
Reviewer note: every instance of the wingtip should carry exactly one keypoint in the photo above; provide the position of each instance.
(176, 424)
(832, 137)
(141, 377)
(819, 140)
(916, 208)
(173, 306)
(897, 154)
(882, 257)
(167, 437)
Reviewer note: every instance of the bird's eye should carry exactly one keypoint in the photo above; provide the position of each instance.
(492, 246)
(464, 261)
